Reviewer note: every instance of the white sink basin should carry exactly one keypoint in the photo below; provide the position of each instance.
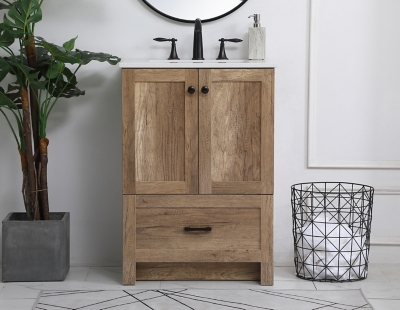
(202, 61)
(187, 63)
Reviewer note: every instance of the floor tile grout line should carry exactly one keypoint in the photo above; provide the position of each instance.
(87, 274)
(383, 298)
(383, 272)
(37, 300)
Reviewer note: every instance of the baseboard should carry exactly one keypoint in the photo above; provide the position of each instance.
(96, 264)
(385, 241)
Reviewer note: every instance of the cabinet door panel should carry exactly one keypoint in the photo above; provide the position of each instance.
(160, 132)
(236, 131)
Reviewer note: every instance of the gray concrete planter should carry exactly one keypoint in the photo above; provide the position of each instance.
(35, 250)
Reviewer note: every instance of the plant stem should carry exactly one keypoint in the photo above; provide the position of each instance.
(27, 132)
(25, 187)
(44, 197)
(33, 95)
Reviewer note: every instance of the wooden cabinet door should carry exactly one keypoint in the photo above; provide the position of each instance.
(236, 131)
(160, 131)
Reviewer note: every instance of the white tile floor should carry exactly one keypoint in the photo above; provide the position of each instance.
(382, 288)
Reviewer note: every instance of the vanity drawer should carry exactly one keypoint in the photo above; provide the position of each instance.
(190, 223)
(226, 237)
(204, 228)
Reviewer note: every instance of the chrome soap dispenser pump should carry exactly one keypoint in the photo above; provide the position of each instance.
(256, 39)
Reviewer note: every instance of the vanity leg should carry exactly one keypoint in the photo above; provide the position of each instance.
(129, 240)
(267, 272)
(267, 246)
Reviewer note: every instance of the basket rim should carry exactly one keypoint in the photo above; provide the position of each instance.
(364, 188)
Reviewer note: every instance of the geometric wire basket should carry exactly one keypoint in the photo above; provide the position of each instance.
(331, 230)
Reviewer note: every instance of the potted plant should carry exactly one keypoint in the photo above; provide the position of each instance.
(35, 242)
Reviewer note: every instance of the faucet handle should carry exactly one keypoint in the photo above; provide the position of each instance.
(164, 39)
(231, 40)
(173, 54)
(222, 54)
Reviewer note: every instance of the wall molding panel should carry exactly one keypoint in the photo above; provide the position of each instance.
(316, 143)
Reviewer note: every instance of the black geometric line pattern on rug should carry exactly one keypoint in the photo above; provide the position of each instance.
(62, 293)
(137, 300)
(101, 302)
(143, 303)
(168, 295)
(218, 304)
(207, 300)
(182, 297)
(311, 300)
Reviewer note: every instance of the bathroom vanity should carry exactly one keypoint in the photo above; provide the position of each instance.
(198, 171)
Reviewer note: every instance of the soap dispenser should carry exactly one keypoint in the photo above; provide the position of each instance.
(256, 39)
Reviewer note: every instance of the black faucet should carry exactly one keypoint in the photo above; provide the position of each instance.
(197, 41)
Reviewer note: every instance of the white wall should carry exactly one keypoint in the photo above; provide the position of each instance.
(85, 133)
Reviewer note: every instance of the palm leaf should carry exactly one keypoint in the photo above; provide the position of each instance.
(20, 15)
(4, 68)
(59, 53)
(87, 57)
(6, 37)
(4, 5)
(25, 72)
(5, 101)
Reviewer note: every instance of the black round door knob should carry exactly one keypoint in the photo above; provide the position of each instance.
(205, 90)
(191, 90)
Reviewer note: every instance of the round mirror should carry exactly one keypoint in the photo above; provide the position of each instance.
(188, 10)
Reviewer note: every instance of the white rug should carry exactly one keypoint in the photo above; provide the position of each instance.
(200, 299)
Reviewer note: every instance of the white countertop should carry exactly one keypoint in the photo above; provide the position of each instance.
(133, 63)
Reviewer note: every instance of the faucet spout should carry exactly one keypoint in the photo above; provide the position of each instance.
(198, 41)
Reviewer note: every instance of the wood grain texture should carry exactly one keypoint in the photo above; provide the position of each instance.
(267, 240)
(233, 142)
(244, 187)
(160, 75)
(128, 131)
(170, 256)
(160, 132)
(267, 130)
(267, 274)
(240, 75)
(129, 240)
(198, 201)
(205, 134)
(191, 133)
(161, 187)
(232, 228)
(198, 271)
(236, 131)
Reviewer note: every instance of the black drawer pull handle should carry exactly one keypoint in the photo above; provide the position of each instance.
(198, 228)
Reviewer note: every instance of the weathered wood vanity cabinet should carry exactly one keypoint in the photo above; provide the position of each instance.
(198, 174)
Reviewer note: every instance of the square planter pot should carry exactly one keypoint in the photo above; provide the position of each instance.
(35, 250)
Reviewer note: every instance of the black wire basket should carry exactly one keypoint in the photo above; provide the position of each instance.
(331, 230)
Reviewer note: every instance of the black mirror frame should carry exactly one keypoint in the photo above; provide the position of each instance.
(192, 21)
